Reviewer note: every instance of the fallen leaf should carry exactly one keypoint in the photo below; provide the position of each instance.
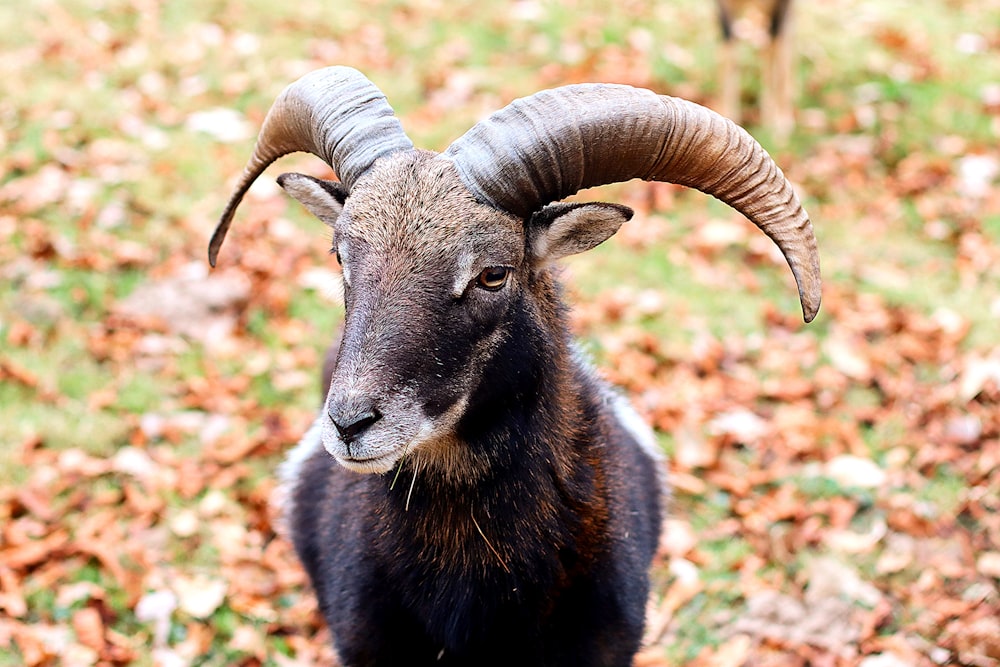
(832, 578)
(677, 538)
(35, 551)
(848, 471)
(157, 607)
(734, 652)
(742, 425)
(89, 628)
(825, 623)
(193, 303)
(199, 596)
(988, 564)
(12, 599)
(685, 586)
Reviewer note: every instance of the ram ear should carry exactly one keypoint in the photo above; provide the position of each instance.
(324, 199)
(559, 230)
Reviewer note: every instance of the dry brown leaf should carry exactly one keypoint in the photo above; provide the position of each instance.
(232, 448)
(734, 652)
(978, 641)
(693, 450)
(104, 549)
(11, 594)
(651, 656)
(37, 502)
(684, 587)
(89, 628)
(34, 552)
(825, 623)
(677, 538)
(11, 372)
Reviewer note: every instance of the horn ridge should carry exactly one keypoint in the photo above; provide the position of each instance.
(336, 114)
(552, 144)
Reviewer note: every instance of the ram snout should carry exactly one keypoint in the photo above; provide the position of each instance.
(389, 394)
(369, 434)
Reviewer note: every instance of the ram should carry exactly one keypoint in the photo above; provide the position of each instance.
(489, 500)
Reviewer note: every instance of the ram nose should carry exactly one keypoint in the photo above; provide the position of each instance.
(351, 420)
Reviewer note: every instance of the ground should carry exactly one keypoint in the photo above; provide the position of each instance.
(836, 485)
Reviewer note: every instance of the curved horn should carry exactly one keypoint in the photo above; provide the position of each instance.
(334, 113)
(548, 146)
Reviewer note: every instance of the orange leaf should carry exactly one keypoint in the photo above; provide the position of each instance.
(89, 628)
(34, 552)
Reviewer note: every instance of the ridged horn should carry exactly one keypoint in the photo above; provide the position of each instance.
(550, 145)
(336, 114)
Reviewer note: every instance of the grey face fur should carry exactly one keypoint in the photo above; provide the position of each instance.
(420, 322)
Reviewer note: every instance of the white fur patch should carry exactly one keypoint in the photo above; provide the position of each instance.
(643, 434)
(623, 410)
(634, 424)
(290, 470)
(345, 269)
(463, 275)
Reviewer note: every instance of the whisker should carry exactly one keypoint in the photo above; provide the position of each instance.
(399, 468)
(487, 540)
(417, 465)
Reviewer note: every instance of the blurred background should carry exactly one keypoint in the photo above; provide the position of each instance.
(837, 485)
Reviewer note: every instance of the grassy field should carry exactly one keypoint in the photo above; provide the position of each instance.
(837, 485)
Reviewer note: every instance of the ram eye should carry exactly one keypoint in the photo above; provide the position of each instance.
(493, 278)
